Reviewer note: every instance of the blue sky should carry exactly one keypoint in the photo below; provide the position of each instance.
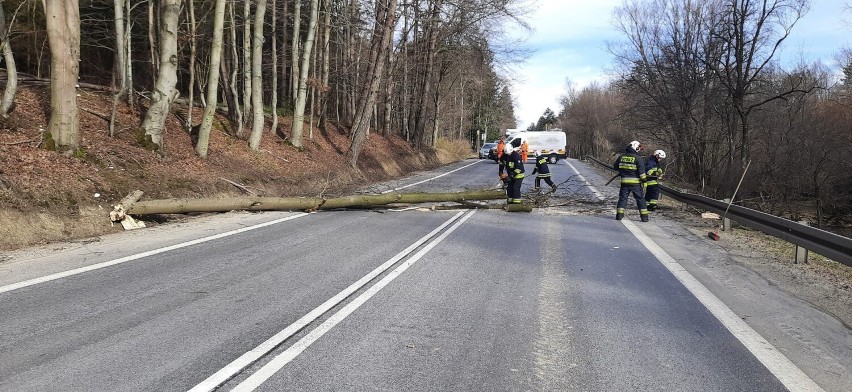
(570, 38)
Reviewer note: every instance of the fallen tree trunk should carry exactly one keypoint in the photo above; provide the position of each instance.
(255, 203)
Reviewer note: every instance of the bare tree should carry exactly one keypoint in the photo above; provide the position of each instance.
(669, 92)
(257, 77)
(294, 50)
(193, 44)
(6, 105)
(274, 87)
(301, 97)
(750, 33)
(247, 60)
(164, 91)
(382, 33)
(63, 33)
(121, 59)
(235, 113)
(212, 80)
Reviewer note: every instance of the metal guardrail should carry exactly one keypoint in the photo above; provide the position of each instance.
(833, 246)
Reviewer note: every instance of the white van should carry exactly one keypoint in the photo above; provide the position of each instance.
(551, 144)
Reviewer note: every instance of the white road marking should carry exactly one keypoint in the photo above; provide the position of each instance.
(788, 373)
(254, 354)
(76, 271)
(264, 373)
(429, 179)
(595, 191)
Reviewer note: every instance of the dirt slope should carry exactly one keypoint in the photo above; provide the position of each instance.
(46, 197)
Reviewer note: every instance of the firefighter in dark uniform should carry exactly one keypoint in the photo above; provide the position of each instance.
(510, 162)
(631, 168)
(654, 173)
(542, 172)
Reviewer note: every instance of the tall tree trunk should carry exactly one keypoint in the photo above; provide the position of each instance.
(11, 70)
(164, 91)
(257, 77)
(294, 50)
(301, 97)
(193, 44)
(131, 99)
(274, 48)
(120, 61)
(284, 86)
(247, 59)
(325, 64)
(406, 108)
(428, 70)
(63, 33)
(237, 117)
(382, 34)
(212, 80)
(152, 44)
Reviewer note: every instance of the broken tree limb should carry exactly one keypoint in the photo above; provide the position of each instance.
(254, 203)
(238, 185)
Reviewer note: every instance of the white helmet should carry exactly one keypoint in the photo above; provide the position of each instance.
(635, 145)
(660, 154)
(508, 148)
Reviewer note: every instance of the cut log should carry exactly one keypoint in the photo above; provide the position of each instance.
(119, 211)
(254, 203)
(518, 208)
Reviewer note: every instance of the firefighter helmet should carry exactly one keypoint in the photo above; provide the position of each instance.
(635, 145)
(660, 154)
(508, 148)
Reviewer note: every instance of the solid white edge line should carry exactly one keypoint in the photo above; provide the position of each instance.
(280, 360)
(429, 179)
(76, 271)
(598, 194)
(779, 365)
(254, 354)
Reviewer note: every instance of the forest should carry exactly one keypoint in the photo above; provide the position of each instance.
(422, 69)
(703, 81)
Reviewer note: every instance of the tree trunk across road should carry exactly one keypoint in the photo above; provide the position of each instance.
(256, 203)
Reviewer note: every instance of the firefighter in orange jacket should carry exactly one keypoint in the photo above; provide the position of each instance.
(500, 146)
(525, 150)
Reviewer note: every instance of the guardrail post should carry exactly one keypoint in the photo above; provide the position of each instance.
(802, 253)
(726, 222)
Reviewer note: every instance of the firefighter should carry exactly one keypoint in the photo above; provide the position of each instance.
(525, 150)
(654, 173)
(542, 172)
(501, 144)
(631, 168)
(514, 174)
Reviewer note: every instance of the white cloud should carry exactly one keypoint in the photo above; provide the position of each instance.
(569, 40)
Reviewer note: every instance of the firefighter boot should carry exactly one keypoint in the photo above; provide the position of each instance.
(619, 215)
(645, 218)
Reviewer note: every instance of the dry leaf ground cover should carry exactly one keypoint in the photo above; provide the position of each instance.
(47, 197)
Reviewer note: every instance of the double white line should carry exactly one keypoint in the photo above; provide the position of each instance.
(280, 360)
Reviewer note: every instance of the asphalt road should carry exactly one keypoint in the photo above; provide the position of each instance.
(561, 299)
